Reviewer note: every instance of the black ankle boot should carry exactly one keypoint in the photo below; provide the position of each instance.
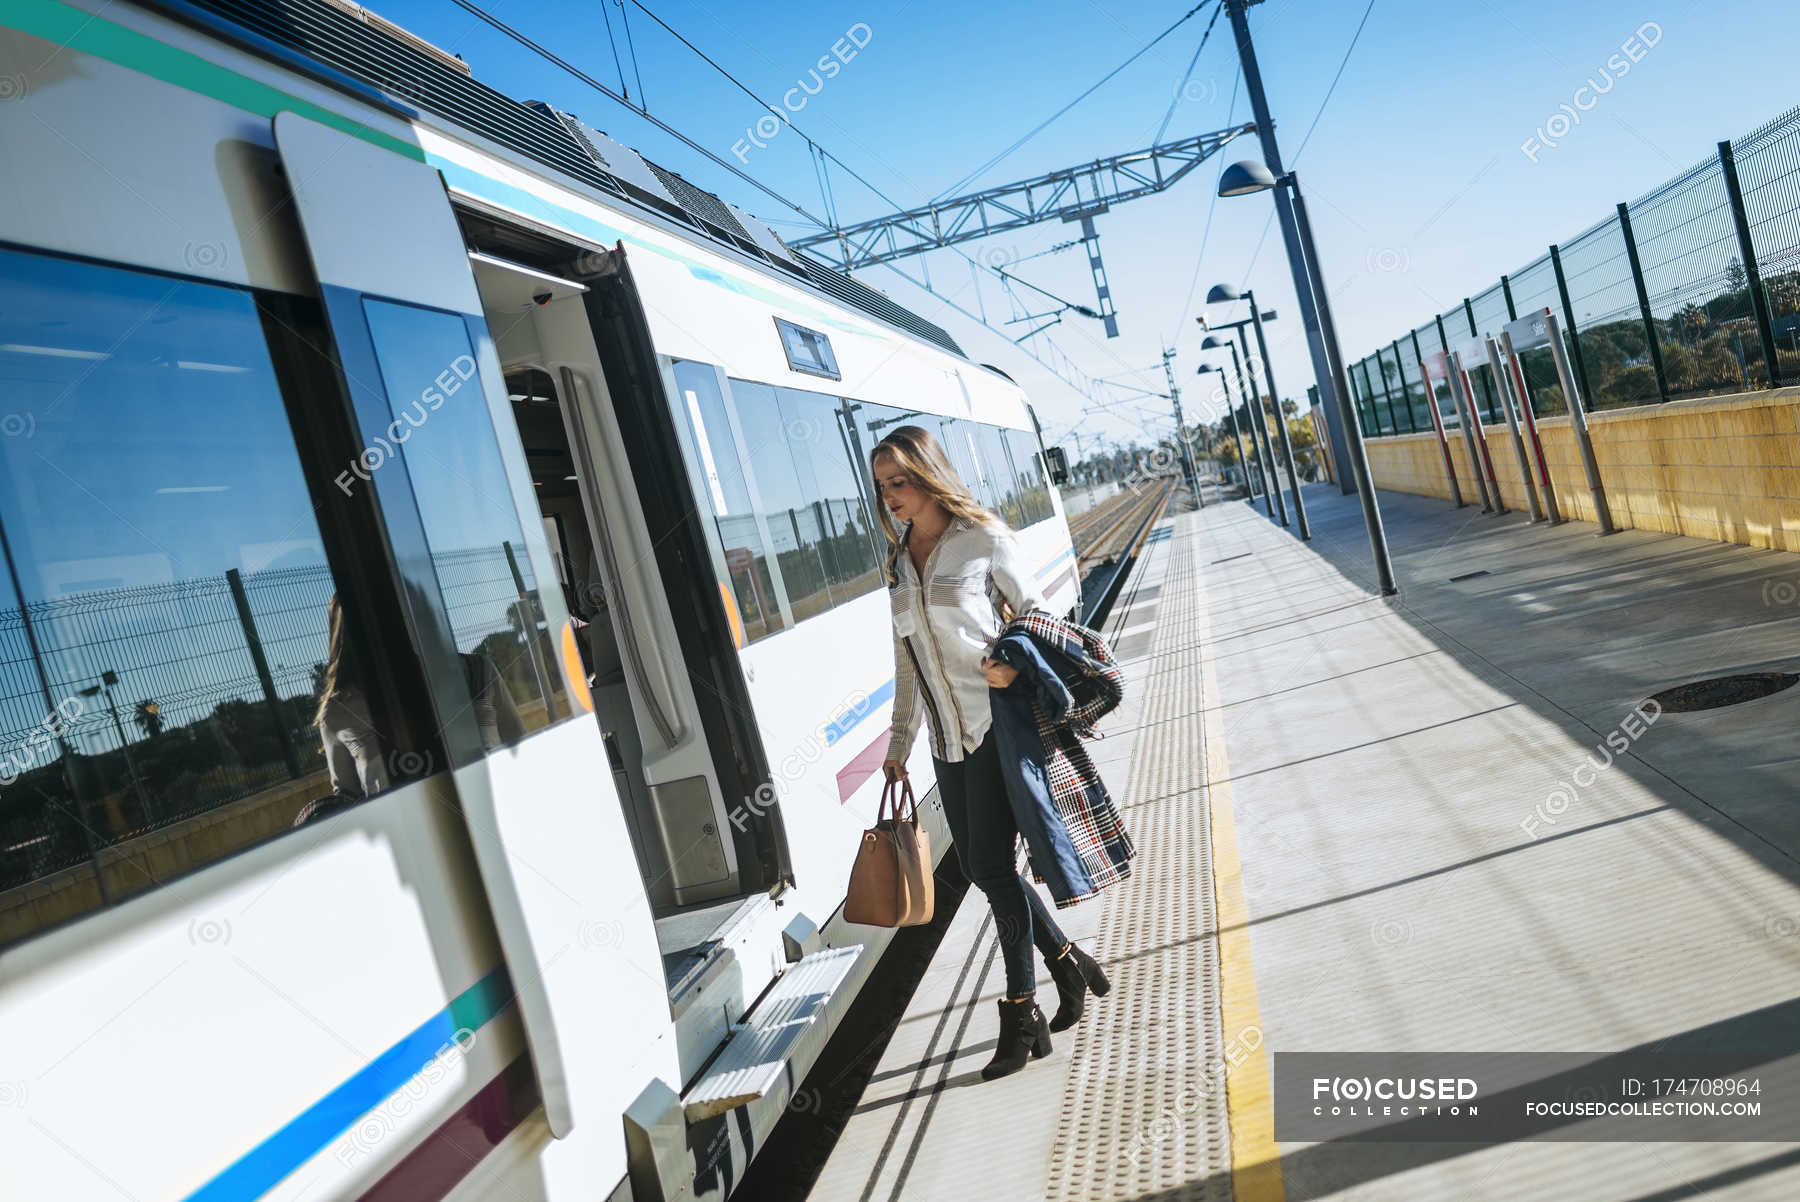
(1076, 974)
(1023, 1035)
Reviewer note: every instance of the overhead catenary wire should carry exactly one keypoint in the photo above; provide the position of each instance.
(1175, 100)
(814, 220)
(630, 45)
(614, 43)
(551, 57)
(1059, 113)
(1299, 150)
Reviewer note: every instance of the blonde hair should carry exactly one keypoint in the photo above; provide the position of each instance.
(915, 452)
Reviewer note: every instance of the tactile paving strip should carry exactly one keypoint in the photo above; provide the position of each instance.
(1144, 1111)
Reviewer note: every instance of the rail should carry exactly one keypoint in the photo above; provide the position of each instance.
(1116, 545)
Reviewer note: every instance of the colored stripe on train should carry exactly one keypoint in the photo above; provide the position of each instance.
(259, 1169)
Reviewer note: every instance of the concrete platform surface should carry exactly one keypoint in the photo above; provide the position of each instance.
(1396, 824)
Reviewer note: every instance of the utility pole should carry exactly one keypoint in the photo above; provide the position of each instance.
(1290, 234)
(1187, 454)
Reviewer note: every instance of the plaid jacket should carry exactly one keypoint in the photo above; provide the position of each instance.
(1071, 680)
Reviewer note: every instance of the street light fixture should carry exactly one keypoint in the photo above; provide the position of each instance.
(1259, 429)
(1220, 294)
(1237, 434)
(1242, 179)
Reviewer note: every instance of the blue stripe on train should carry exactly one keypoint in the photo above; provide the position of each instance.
(259, 1169)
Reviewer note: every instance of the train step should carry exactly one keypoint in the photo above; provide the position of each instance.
(759, 1052)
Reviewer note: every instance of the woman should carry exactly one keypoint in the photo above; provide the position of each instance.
(952, 566)
(353, 751)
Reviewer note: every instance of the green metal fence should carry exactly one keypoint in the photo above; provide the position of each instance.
(1690, 290)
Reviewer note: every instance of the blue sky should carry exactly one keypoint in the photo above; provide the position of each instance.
(1420, 191)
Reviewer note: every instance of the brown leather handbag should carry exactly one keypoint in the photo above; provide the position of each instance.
(890, 883)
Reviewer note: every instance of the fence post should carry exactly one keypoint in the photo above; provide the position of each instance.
(1493, 414)
(235, 579)
(1387, 394)
(1643, 295)
(1562, 290)
(1759, 301)
(528, 619)
(1512, 314)
(1412, 423)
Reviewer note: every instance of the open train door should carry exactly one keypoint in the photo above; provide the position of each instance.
(541, 811)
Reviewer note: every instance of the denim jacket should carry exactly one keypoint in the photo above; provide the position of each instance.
(1067, 679)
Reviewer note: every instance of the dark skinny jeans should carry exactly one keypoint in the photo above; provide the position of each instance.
(984, 832)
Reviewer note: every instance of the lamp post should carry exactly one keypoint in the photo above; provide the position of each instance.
(1259, 431)
(1241, 179)
(1220, 294)
(1187, 457)
(1290, 235)
(1237, 436)
(108, 679)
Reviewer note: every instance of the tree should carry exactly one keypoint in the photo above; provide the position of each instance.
(148, 715)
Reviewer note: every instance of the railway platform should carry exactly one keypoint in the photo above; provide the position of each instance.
(1359, 830)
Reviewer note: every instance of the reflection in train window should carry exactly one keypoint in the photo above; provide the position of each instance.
(1034, 488)
(724, 495)
(848, 541)
(177, 679)
(444, 433)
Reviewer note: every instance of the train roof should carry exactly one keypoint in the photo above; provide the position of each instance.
(341, 42)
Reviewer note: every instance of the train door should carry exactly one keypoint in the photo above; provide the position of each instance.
(660, 649)
(454, 496)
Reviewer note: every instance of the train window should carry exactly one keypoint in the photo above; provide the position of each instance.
(772, 445)
(724, 493)
(847, 539)
(177, 678)
(1003, 482)
(1034, 491)
(807, 350)
(446, 438)
(958, 440)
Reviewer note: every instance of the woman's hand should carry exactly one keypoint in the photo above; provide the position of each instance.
(894, 770)
(999, 675)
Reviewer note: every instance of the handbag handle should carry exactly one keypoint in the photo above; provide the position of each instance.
(903, 802)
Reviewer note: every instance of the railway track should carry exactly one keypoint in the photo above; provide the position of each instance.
(1106, 545)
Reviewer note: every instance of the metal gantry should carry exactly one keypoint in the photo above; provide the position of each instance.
(1077, 193)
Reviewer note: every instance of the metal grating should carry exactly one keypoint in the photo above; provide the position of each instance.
(413, 72)
(364, 52)
(1144, 1114)
(758, 1056)
(700, 203)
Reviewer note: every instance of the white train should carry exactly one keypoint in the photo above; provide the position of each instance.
(298, 320)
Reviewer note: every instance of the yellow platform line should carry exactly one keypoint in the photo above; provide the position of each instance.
(1249, 1095)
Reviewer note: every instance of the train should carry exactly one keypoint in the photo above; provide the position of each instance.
(444, 661)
